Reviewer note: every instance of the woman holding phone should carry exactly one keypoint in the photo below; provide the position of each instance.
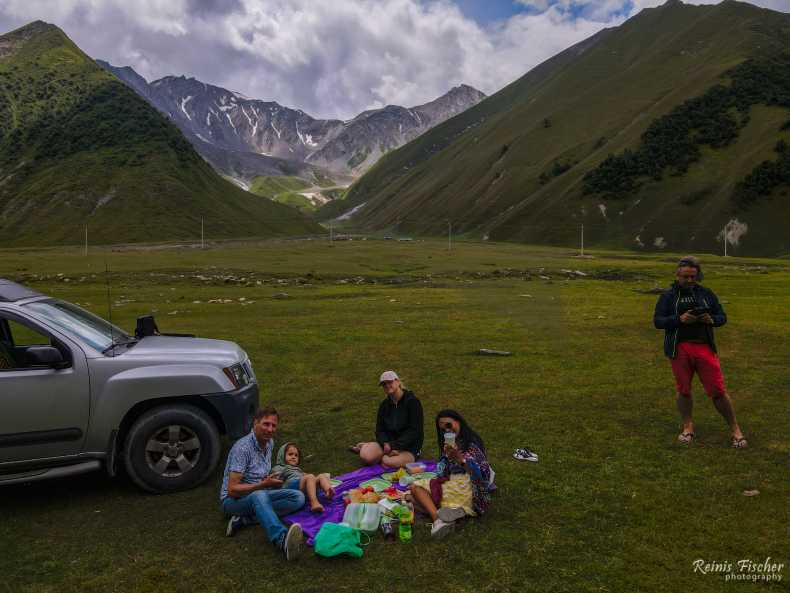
(464, 477)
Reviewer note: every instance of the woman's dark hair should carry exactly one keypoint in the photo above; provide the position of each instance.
(467, 436)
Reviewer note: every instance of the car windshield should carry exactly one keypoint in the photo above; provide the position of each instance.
(77, 322)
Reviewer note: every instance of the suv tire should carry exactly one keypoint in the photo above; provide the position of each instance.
(170, 448)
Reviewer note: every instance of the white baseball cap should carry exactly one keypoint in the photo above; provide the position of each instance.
(388, 376)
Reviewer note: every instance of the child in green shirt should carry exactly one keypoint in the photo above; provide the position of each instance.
(288, 470)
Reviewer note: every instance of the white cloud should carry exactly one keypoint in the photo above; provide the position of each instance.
(332, 59)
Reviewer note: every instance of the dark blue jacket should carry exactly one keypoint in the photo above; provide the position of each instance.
(666, 316)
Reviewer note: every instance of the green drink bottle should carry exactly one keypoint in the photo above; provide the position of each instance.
(404, 529)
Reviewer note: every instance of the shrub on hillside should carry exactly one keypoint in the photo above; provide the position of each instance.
(672, 142)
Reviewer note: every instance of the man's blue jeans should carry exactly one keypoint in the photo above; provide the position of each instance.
(267, 506)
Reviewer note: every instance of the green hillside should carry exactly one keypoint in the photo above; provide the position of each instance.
(270, 186)
(286, 190)
(653, 101)
(77, 147)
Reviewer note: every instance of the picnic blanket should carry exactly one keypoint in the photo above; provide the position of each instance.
(333, 509)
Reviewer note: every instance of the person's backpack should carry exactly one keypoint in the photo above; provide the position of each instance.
(334, 539)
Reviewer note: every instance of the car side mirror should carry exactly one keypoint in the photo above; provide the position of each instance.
(45, 356)
(146, 326)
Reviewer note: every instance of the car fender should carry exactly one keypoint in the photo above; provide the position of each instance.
(119, 393)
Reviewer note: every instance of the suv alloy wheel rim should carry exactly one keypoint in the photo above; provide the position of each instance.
(172, 451)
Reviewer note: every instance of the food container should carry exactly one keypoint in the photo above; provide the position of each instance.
(362, 516)
(378, 484)
(416, 467)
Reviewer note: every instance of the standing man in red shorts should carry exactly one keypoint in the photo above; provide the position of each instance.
(688, 312)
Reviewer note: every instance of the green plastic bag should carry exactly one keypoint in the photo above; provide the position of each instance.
(334, 539)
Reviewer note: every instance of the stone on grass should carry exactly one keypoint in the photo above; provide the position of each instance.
(490, 352)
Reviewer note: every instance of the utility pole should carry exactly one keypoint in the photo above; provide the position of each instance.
(582, 243)
(725, 242)
(449, 235)
(86, 240)
(331, 237)
(202, 236)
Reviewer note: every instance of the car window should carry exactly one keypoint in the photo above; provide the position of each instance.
(21, 335)
(78, 323)
(16, 337)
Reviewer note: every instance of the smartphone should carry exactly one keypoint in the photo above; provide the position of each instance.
(697, 311)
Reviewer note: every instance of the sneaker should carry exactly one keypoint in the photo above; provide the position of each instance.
(524, 454)
(292, 542)
(440, 528)
(234, 524)
(448, 515)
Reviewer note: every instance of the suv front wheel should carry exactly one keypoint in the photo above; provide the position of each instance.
(171, 448)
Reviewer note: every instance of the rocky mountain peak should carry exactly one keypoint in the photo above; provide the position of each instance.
(228, 121)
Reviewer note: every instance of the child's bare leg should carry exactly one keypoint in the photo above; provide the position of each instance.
(308, 486)
(326, 485)
(423, 501)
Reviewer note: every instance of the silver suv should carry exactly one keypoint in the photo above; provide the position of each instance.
(78, 394)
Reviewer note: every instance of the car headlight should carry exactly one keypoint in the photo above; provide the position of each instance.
(238, 375)
(248, 367)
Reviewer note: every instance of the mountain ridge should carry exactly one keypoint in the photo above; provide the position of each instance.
(229, 121)
(511, 167)
(77, 148)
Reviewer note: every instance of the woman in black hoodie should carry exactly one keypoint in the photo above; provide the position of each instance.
(399, 432)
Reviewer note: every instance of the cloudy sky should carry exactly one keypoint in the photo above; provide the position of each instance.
(332, 58)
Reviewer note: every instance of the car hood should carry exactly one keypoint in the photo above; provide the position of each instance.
(177, 350)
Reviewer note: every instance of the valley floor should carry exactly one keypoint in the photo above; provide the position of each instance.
(615, 504)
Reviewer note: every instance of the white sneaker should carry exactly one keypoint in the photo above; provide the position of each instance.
(448, 514)
(440, 528)
(292, 542)
(234, 524)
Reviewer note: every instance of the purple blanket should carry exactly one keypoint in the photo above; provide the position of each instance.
(333, 509)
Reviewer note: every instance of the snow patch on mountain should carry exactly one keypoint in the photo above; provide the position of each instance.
(232, 125)
(351, 212)
(307, 139)
(184, 101)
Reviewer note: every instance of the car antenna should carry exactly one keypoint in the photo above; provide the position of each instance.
(109, 301)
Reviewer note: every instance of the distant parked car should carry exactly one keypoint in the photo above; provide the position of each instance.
(78, 394)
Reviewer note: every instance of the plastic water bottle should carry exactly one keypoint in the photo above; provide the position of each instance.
(387, 530)
(404, 529)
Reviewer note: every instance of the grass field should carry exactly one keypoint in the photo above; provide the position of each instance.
(615, 505)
